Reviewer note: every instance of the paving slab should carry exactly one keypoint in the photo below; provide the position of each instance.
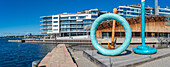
(58, 57)
(127, 58)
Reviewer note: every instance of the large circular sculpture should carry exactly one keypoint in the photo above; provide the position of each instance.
(128, 34)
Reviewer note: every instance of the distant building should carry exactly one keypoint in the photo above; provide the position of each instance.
(135, 10)
(69, 24)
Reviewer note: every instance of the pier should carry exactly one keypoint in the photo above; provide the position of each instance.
(100, 40)
(58, 57)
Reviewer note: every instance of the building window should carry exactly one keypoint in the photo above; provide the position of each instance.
(46, 19)
(55, 29)
(81, 17)
(74, 25)
(63, 18)
(94, 17)
(73, 17)
(55, 26)
(135, 10)
(135, 13)
(93, 12)
(139, 11)
(128, 9)
(65, 25)
(73, 21)
(73, 29)
(132, 9)
(65, 21)
(92, 21)
(164, 11)
(79, 21)
(128, 13)
(55, 17)
(79, 25)
(55, 21)
(85, 25)
(79, 29)
(86, 21)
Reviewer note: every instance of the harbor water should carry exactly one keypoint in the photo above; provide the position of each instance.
(21, 54)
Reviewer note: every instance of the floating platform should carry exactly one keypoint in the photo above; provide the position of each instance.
(16, 41)
(127, 58)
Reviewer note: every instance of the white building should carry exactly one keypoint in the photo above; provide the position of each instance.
(69, 24)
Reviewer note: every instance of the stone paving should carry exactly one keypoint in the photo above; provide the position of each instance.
(82, 61)
(58, 57)
(127, 58)
(162, 62)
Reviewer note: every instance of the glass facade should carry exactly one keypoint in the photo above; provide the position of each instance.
(94, 12)
(47, 23)
(79, 25)
(94, 17)
(55, 25)
(73, 17)
(65, 21)
(87, 21)
(55, 18)
(63, 18)
(65, 25)
(81, 17)
(71, 24)
(167, 11)
(133, 11)
(129, 12)
(46, 19)
(55, 21)
(55, 29)
(73, 21)
(73, 29)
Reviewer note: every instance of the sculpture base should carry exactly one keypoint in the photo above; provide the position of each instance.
(144, 49)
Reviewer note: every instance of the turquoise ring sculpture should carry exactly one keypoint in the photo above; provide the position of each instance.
(128, 34)
(143, 49)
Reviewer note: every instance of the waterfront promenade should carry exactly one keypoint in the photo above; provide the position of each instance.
(86, 40)
(58, 57)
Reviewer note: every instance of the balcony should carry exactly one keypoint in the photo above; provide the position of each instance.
(43, 32)
(120, 9)
(49, 27)
(77, 27)
(43, 28)
(45, 20)
(120, 13)
(45, 24)
(45, 16)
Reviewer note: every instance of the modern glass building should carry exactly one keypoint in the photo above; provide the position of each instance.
(133, 10)
(69, 24)
(163, 11)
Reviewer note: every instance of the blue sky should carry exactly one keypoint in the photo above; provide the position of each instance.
(23, 16)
